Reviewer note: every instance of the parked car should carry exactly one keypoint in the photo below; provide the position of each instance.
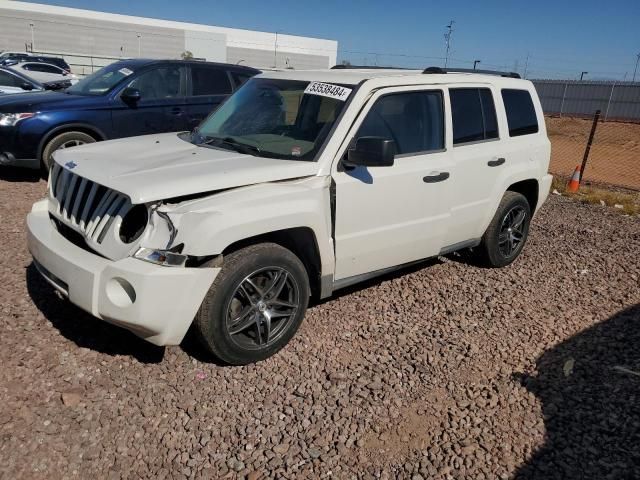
(45, 72)
(300, 184)
(9, 58)
(15, 82)
(126, 98)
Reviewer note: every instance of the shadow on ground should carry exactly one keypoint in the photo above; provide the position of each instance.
(13, 174)
(589, 387)
(85, 330)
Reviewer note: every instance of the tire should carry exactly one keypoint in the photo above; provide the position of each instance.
(64, 140)
(244, 290)
(507, 233)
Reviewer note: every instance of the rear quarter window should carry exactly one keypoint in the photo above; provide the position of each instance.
(521, 114)
(209, 81)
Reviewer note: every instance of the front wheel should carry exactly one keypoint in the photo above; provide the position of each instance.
(64, 140)
(508, 231)
(255, 305)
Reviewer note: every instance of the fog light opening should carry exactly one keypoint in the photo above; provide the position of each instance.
(120, 292)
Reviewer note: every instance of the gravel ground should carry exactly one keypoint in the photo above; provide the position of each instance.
(443, 371)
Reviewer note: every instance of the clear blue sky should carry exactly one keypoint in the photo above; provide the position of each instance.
(562, 37)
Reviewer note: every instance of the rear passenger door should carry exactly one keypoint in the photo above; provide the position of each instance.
(478, 159)
(387, 216)
(209, 86)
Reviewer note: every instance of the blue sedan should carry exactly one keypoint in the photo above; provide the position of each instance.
(124, 99)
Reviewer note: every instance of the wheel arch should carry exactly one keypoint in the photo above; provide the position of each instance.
(301, 241)
(69, 127)
(530, 189)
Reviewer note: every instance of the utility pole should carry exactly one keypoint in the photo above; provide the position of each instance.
(447, 37)
(582, 75)
(33, 37)
(526, 66)
(475, 62)
(635, 70)
(139, 45)
(275, 52)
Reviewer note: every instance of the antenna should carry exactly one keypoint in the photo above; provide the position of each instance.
(447, 37)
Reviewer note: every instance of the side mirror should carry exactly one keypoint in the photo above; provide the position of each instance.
(130, 95)
(26, 86)
(371, 152)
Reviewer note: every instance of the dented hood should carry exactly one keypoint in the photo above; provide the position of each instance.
(157, 167)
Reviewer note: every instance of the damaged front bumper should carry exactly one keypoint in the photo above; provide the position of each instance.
(155, 302)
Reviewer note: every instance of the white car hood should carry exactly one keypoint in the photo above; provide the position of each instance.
(157, 167)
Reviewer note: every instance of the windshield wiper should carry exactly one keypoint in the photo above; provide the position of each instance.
(233, 144)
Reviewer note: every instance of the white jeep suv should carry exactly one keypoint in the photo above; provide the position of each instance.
(301, 183)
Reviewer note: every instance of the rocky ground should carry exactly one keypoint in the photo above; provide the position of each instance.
(444, 371)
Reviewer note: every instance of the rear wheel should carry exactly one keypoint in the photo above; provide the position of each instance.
(255, 305)
(508, 231)
(64, 140)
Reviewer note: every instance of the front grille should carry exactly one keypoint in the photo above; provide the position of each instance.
(85, 206)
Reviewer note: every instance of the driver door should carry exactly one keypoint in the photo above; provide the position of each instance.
(391, 215)
(161, 107)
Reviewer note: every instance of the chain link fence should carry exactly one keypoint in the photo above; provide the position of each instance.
(614, 155)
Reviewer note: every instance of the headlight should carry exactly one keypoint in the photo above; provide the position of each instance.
(134, 223)
(166, 258)
(10, 119)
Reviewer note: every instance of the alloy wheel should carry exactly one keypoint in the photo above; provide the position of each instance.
(512, 231)
(262, 307)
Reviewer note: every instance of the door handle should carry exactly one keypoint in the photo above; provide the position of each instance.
(436, 177)
(177, 111)
(496, 163)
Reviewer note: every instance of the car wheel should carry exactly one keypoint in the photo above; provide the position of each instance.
(255, 305)
(508, 231)
(64, 140)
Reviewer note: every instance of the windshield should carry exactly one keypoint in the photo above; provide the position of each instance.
(102, 81)
(286, 119)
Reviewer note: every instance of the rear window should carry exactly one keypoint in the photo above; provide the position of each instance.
(209, 81)
(473, 115)
(521, 114)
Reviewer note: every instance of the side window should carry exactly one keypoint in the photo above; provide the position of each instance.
(8, 80)
(413, 120)
(41, 67)
(209, 81)
(473, 115)
(239, 78)
(521, 115)
(163, 82)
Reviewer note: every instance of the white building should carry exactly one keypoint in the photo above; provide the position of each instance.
(89, 39)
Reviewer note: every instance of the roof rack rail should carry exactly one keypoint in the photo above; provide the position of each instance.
(438, 70)
(363, 67)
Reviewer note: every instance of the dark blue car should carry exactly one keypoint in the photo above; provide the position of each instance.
(124, 99)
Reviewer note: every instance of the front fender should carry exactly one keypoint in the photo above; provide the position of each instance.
(208, 226)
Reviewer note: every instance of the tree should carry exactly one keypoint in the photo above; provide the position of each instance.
(186, 55)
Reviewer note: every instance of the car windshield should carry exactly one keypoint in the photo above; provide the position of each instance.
(102, 81)
(286, 119)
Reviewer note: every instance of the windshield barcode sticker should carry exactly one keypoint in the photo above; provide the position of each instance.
(328, 90)
(125, 71)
